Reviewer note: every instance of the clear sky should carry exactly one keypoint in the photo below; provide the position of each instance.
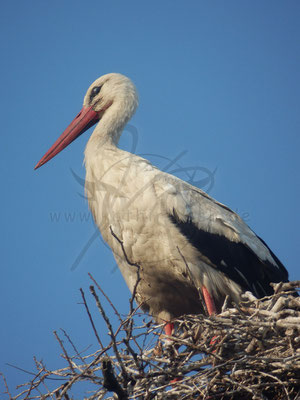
(217, 80)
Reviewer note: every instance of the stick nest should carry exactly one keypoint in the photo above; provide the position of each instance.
(248, 352)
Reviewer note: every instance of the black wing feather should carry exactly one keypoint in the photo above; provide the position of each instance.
(234, 259)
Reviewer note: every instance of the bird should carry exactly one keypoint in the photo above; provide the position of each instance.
(179, 250)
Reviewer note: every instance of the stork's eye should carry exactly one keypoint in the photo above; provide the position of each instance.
(94, 92)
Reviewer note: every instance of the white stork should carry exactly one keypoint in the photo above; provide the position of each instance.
(170, 239)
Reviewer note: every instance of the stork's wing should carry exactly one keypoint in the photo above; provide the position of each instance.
(220, 236)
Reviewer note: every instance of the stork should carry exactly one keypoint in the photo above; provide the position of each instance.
(171, 240)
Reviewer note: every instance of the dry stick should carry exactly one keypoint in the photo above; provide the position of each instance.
(57, 391)
(78, 376)
(247, 389)
(107, 298)
(65, 352)
(130, 325)
(37, 383)
(137, 345)
(111, 334)
(278, 360)
(20, 369)
(33, 385)
(72, 344)
(6, 385)
(133, 265)
(225, 304)
(45, 386)
(57, 394)
(40, 365)
(125, 322)
(91, 319)
(284, 286)
(134, 355)
(276, 379)
(128, 322)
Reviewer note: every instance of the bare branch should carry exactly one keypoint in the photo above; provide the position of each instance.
(64, 350)
(91, 319)
(255, 356)
(107, 298)
(111, 334)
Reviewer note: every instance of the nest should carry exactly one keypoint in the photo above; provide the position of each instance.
(248, 352)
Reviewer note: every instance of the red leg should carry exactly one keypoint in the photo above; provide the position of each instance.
(169, 328)
(211, 309)
(209, 301)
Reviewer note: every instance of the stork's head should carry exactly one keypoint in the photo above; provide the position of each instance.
(112, 94)
(111, 89)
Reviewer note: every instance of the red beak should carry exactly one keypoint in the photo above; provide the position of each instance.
(86, 118)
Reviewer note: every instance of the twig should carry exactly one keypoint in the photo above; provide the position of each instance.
(65, 352)
(138, 279)
(107, 298)
(256, 357)
(111, 334)
(6, 385)
(91, 319)
(72, 344)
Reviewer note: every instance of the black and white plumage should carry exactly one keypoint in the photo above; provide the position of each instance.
(170, 236)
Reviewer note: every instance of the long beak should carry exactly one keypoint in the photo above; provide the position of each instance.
(86, 118)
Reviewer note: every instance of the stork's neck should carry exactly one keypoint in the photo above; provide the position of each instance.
(108, 130)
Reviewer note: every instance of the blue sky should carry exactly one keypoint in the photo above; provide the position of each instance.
(218, 81)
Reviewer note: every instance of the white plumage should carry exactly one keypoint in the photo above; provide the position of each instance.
(175, 239)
